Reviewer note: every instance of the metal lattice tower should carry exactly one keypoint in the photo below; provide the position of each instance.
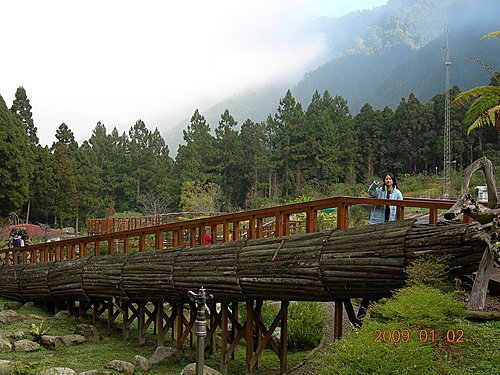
(447, 123)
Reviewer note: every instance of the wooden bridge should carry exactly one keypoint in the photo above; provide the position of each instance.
(117, 274)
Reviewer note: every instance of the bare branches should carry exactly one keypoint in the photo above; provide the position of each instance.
(466, 204)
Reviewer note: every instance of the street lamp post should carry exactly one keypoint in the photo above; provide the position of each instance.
(200, 300)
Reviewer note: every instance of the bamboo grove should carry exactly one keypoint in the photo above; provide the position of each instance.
(225, 166)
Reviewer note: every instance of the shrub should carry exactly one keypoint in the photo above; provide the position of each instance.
(420, 306)
(416, 309)
(305, 323)
(360, 354)
(38, 330)
(430, 271)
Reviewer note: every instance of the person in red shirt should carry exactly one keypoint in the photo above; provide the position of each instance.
(207, 239)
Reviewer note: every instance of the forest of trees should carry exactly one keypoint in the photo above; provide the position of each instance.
(294, 152)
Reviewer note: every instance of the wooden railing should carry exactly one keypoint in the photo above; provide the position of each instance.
(223, 228)
(118, 224)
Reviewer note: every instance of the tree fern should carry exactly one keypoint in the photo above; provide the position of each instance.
(484, 109)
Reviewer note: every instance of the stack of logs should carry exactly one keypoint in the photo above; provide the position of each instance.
(360, 262)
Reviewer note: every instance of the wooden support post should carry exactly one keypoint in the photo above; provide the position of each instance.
(258, 332)
(342, 216)
(192, 237)
(234, 327)
(158, 240)
(225, 231)
(110, 315)
(126, 244)
(201, 234)
(183, 333)
(349, 309)
(236, 230)
(111, 246)
(337, 322)
(140, 323)
(249, 337)
(400, 213)
(180, 237)
(213, 233)
(180, 324)
(260, 228)
(125, 329)
(210, 339)
(433, 216)
(251, 227)
(224, 339)
(95, 310)
(160, 328)
(311, 220)
(278, 231)
(286, 224)
(268, 335)
(142, 242)
(97, 248)
(283, 355)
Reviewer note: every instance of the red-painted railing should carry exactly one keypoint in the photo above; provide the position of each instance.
(223, 228)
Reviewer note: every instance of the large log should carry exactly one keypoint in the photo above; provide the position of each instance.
(33, 283)
(360, 262)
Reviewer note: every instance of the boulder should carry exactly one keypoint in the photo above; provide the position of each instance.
(16, 335)
(10, 317)
(5, 367)
(142, 363)
(62, 315)
(73, 339)
(26, 346)
(191, 370)
(90, 372)
(89, 332)
(51, 342)
(5, 345)
(12, 305)
(58, 371)
(36, 317)
(121, 366)
(164, 355)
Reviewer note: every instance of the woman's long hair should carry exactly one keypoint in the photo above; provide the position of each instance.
(394, 180)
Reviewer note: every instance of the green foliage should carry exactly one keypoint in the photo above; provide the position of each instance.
(26, 368)
(420, 307)
(360, 354)
(200, 197)
(38, 330)
(112, 347)
(357, 216)
(431, 272)
(305, 323)
(15, 162)
(126, 214)
(483, 101)
(411, 339)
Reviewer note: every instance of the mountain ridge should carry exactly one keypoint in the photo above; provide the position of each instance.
(393, 56)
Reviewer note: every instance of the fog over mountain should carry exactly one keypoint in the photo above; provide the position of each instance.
(382, 55)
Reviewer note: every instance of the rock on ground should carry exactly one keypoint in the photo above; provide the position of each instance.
(191, 370)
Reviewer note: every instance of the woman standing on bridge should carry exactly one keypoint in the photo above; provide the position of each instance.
(387, 189)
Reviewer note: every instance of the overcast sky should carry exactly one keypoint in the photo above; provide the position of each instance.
(118, 61)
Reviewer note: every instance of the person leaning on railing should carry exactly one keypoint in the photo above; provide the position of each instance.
(386, 189)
